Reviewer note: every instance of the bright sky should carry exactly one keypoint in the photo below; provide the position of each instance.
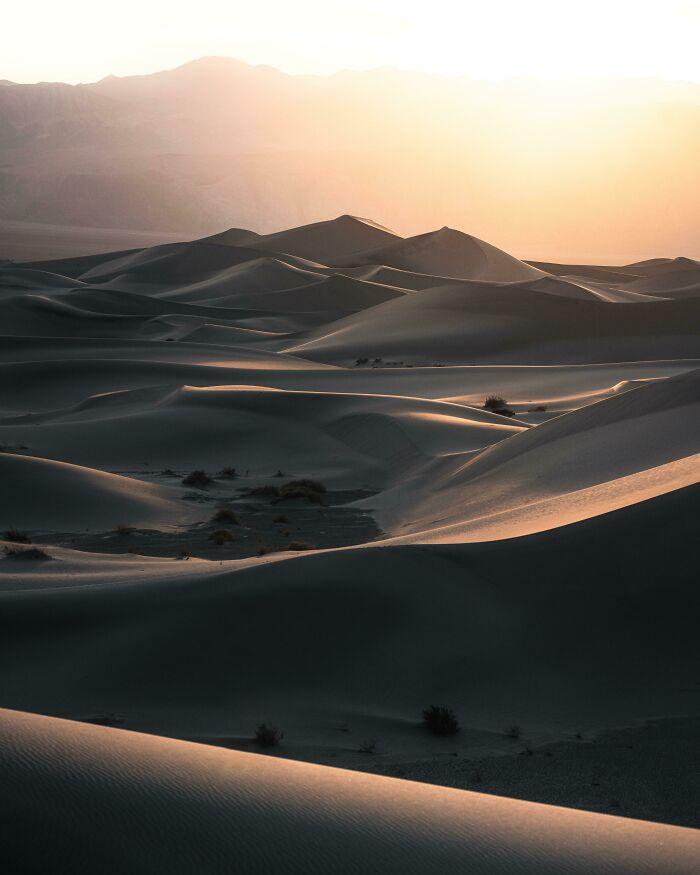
(84, 40)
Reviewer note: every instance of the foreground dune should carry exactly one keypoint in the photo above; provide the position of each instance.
(122, 802)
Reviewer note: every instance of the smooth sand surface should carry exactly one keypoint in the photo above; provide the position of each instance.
(142, 804)
(528, 564)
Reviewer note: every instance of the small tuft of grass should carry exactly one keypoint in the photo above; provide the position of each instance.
(265, 549)
(512, 731)
(311, 490)
(278, 473)
(183, 554)
(228, 473)
(124, 530)
(226, 514)
(16, 536)
(299, 546)
(368, 746)
(25, 553)
(440, 720)
(199, 479)
(268, 735)
(221, 536)
(167, 472)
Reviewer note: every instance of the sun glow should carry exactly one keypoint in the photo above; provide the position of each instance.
(502, 38)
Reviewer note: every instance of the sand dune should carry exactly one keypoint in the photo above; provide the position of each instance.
(448, 253)
(48, 495)
(122, 801)
(527, 565)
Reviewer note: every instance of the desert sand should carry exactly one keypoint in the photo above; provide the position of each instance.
(525, 562)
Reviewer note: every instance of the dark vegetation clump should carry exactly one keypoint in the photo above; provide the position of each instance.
(496, 404)
(25, 553)
(440, 720)
(123, 530)
(278, 473)
(368, 746)
(280, 518)
(266, 549)
(228, 473)
(198, 479)
(362, 361)
(267, 735)
(17, 537)
(221, 536)
(167, 472)
(311, 490)
(512, 731)
(226, 515)
(183, 554)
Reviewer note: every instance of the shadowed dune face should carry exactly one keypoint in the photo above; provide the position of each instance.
(523, 440)
(139, 800)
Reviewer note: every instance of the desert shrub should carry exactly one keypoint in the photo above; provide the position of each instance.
(440, 720)
(226, 515)
(16, 536)
(25, 553)
(198, 479)
(123, 530)
(496, 404)
(228, 473)
(541, 408)
(362, 361)
(267, 735)
(167, 472)
(278, 473)
(280, 518)
(266, 549)
(368, 746)
(267, 491)
(298, 546)
(512, 731)
(311, 490)
(221, 536)
(183, 554)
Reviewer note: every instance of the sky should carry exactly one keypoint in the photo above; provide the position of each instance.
(83, 40)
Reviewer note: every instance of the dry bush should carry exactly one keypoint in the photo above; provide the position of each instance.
(16, 536)
(228, 473)
(440, 720)
(299, 546)
(226, 514)
(199, 479)
(25, 553)
(267, 735)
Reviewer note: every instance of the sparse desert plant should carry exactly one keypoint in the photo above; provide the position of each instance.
(25, 553)
(183, 553)
(167, 472)
(268, 735)
(361, 361)
(496, 404)
(226, 514)
(440, 720)
(311, 490)
(121, 529)
(266, 549)
(16, 536)
(278, 473)
(228, 473)
(280, 518)
(221, 536)
(199, 479)
(368, 746)
(298, 546)
(512, 731)
(541, 408)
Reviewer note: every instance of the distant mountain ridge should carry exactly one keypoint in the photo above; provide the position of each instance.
(216, 143)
